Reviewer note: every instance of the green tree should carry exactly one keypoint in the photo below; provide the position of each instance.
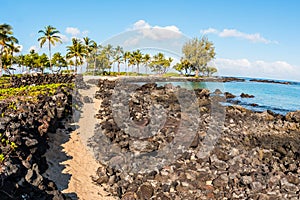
(118, 57)
(211, 71)
(199, 52)
(100, 58)
(78, 51)
(6, 37)
(93, 55)
(160, 64)
(89, 45)
(126, 57)
(109, 53)
(30, 59)
(14, 48)
(138, 59)
(42, 62)
(70, 63)
(146, 61)
(50, 35)
(131, 61)
(59, 61)
(8, 59)
(20, 60)
(185, 66)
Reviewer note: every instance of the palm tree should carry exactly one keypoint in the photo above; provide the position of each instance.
(76, 50)
(103, 60)
(20, 59)
(131, 61)
(137, 55)
(89, 45)
(160, 64)
(59, 61)
(42, 62)
(70, 63)
(118, 56)
(30, 60)
(93, 54)
(126, 57)
(50, 35)
(8, 52)
(5, 37)
(14, 49)
(108, 52)
(146, 61)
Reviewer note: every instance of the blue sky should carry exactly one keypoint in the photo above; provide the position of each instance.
(252, 38)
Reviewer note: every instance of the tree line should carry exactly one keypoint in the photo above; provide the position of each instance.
(197, 53)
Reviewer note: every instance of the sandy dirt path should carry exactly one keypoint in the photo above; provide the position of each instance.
(72, 163)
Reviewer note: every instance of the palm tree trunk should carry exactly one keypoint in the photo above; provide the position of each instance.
(75, 64)
(118, 68)
(87, 65)
(1, 50)
(138, 68)
(94, 67)
(12, 55)
(146, 69)
(126, 68)
(0, 64)
(50, 56)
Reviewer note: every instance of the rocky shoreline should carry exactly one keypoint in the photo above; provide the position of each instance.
(257, 155)
(155, 142)
(271, 81)
(180, 79)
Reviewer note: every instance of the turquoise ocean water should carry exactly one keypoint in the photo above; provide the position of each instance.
(278, 98)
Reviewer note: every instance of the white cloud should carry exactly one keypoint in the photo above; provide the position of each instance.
(255, 37)
(85, 33)
(140, 25)
(258, 68)
(64, 38)
(234, 63)
(209, 31)
(34, 47)
(73, 31)
(156, 32)
(131, 42)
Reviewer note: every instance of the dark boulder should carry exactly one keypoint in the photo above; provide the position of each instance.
(243, 95)
(228, 95)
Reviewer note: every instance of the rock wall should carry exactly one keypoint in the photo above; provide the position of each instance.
(40, 79)
(24, 127)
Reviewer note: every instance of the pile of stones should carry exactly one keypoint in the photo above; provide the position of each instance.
(24, 128)
(40, 79)
(250, 155)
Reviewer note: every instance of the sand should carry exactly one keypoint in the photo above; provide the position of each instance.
(71, 162)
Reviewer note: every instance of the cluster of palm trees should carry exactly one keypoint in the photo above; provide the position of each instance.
(103, 58)
(7, 47)
(98, 58)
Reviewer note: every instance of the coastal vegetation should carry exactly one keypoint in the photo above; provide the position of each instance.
(99, 59)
